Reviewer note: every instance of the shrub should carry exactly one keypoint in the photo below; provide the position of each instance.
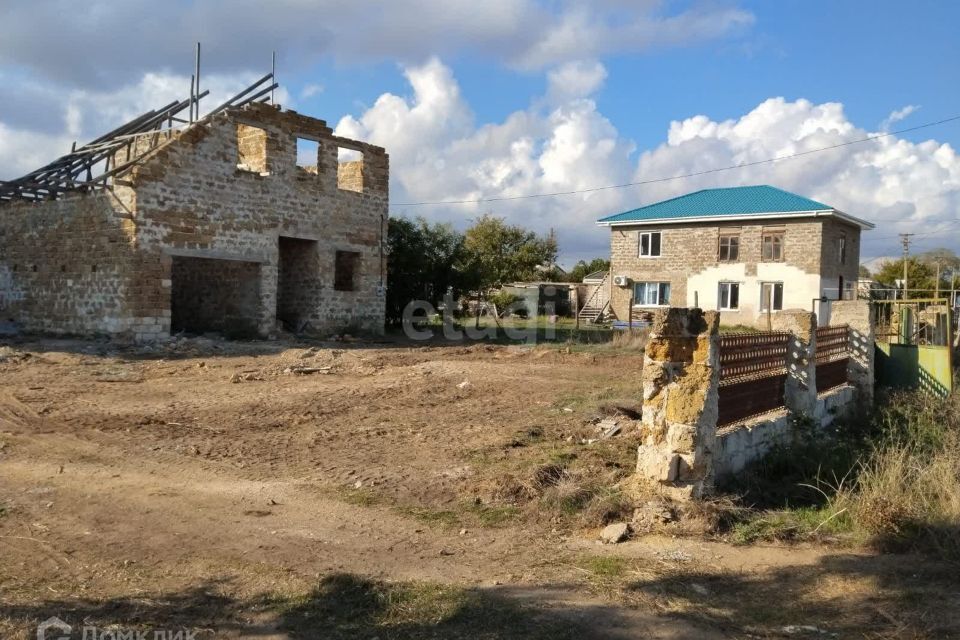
(506, 301)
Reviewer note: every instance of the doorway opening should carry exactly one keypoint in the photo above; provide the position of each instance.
(215, 295)
(298, 283)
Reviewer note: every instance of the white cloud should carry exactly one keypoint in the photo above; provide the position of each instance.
(23, 151)
(895, 183)
(563, 143)
(84, 115)
(311, 90)
(897, 115)
(238, 35)
(437, 152)
(577, 79)
(589, 31)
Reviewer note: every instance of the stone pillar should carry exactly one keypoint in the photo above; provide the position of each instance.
(858, 315)
(681, 373)
(800, 396)
(267, 322)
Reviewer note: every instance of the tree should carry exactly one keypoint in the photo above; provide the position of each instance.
(583, 268)
(496, 253)
(864, 272)
(421, 263)
(948, 263)
(947, 259)
(919, 275)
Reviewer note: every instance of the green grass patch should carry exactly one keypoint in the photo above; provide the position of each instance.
(493, 515)
(362, 497)
(791, 525)
(605, 567)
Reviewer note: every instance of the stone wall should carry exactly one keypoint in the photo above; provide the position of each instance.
(832, 269)
(682, 452)
(680, 379)
(204, 194)
(65, 265)
(350, 175)
(858, 315)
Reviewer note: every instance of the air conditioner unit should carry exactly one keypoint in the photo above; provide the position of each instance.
(621, 281)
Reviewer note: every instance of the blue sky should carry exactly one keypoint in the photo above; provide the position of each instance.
(512, 97)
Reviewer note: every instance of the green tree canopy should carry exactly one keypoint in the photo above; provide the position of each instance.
(496, 253)
(584, 268)
(919, 274)
(422, 263)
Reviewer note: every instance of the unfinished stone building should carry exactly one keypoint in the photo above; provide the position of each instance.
(215, 224)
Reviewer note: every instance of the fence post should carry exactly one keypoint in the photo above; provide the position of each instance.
(858, 315)
(681, 374)
(800, 396)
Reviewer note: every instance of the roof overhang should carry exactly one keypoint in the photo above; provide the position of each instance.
(846, 217)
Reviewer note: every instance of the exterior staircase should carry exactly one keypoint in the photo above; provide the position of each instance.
(597, 305)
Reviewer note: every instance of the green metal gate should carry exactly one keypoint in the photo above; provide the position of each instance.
(914, 344)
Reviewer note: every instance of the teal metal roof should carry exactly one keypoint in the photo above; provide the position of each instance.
(731, 201)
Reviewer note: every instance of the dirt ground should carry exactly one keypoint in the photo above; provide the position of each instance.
(295, 490)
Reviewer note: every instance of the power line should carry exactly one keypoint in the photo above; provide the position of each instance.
(681, 176)
(943, 229)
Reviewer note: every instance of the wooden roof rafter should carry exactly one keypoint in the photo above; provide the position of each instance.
(95, 164)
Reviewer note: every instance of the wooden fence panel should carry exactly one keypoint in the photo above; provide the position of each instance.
(753, 374)
(833, 356)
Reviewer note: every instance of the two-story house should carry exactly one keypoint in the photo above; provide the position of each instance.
(743, 251)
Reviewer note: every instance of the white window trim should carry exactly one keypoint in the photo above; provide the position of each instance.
(720, 296)
(637, 305)
(770, 282)
(640, 243)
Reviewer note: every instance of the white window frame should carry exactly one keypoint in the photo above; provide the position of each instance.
(649, 235)
(720, 287)
(658, 287)
(773, 296)
(842, 248)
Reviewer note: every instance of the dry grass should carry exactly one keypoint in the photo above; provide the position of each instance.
(907, 496)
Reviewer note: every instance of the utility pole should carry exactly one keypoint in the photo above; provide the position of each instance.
(905, 240)
(937, 285)
(196, 111)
